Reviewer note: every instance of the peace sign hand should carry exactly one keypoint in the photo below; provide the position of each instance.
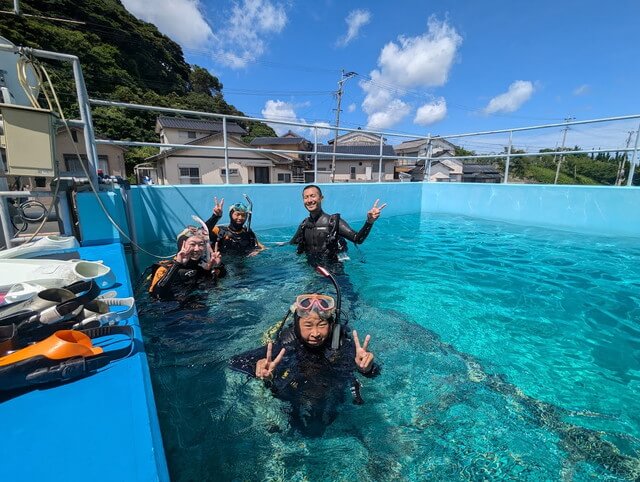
(374, 212)
(217, 206)
(364, 359)
(266, 366)
(184, 254)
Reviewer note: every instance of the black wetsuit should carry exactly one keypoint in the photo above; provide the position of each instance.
(313, 379)
(230, 240)
(168, 274)
(323, 236)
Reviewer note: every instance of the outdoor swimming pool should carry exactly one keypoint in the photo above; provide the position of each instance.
(507, 352)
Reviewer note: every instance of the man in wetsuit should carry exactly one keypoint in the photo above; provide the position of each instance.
(236, 238)
(308, 371)
(322, 235)
(194, 261)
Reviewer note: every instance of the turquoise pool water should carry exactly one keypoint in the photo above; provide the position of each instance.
(507, 353)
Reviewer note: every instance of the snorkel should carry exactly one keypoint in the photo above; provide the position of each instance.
(335, 335)
(250, 212)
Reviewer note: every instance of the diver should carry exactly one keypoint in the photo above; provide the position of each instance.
(236, 238)
(322, 236)
(195, 260)
(315, 362)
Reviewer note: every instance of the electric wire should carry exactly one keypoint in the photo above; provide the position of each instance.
(38, 67)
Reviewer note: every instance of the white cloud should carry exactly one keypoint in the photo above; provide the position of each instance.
(243, 40)
(191, 31)
(351, 108)
(421, 61)
(582, 90)
(355, 21)
(431, 112)
(519, 92)
(278, 110)
(394, 112)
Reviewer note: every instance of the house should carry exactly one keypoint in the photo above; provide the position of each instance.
(289, 142)
(355, 168)
(418, 148)
(440, 169)
(110, 159)
(190, 165)
(480, 173)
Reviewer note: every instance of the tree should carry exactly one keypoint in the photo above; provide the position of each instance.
(202, 82)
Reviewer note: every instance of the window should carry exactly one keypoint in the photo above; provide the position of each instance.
(352, 174)
(72, 164)
(189, 175)
(74, 135)
(232, 172)
(191, 134)
(284, 177)
(103, 164)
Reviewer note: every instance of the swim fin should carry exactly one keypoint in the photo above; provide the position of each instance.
(42, 247)
(64, 356)
(53, 273)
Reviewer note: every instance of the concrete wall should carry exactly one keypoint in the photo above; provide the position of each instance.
(162, 211)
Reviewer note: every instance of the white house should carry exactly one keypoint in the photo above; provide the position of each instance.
(356, 169)
(189, 165)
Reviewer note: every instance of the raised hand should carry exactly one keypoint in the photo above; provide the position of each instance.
(374, 212)
(217, 206)
(184, 254)
(266, 366)
(216, 256)
(364, 359)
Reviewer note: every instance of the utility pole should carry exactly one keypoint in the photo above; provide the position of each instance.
(564, 138)
(620, 173)
(343, 78)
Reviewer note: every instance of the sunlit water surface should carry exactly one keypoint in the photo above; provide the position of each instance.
(507, 353)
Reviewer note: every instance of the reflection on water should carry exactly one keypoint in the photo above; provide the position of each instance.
(507, 353)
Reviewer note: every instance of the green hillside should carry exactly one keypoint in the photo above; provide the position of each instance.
(123, 59)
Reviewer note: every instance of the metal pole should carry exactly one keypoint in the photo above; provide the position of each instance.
(428, 159)
(16, 7)
(380, 162)
(7, 231)
(506, 165)
(226, 150)
(564, 138)
(632, 164)
(315, 155)
(85, 116)
(335, 137)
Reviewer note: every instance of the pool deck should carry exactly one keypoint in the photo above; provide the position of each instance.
(101, 427)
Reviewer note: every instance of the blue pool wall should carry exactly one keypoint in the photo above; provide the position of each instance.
(158, 213)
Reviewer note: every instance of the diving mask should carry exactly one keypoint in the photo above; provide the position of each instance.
(238, 207)
(324, 305)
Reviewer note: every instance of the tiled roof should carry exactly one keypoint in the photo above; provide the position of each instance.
(199, 125)
(267, 141)
(479, 168)
(372, 151)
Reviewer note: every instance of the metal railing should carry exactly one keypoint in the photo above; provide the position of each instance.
(90, 141)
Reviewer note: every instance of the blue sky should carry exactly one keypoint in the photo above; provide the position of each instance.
(422, 67)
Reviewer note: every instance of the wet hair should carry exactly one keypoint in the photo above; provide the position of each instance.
(312, 186)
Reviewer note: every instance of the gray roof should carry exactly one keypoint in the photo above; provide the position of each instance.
(372, 151)
(199, 125)
(266, 141)
(479, 169)
(412, 144)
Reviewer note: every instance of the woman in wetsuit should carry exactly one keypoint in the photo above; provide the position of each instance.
(235, 238)
(307, 371)
(322, 235)
(195, 260)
